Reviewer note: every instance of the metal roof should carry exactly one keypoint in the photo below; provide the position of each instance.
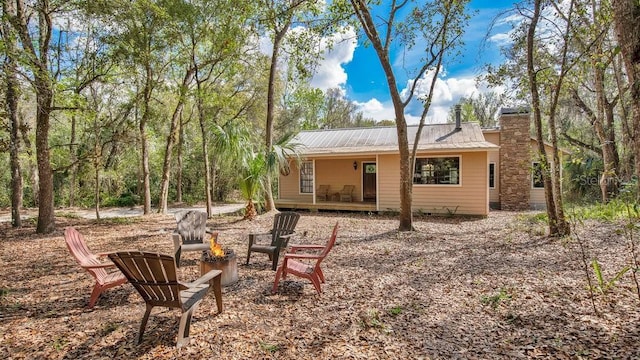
(436, 137)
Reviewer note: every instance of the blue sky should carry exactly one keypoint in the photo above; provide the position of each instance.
(356, 69)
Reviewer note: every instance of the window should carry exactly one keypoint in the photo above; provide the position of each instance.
(370, 169)
(437, 170)
(536, 176)
(492, 175)
(306, 177)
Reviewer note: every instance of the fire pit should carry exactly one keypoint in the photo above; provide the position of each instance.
(220, 259)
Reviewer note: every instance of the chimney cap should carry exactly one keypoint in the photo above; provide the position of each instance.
(515, 110)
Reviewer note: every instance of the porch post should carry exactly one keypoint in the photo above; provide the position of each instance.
(313, 200)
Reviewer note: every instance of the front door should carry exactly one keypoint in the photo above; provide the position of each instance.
(369, 171)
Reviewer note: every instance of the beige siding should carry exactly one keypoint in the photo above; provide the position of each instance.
(388, 182)
(470, 198)
(289, 186)
(494, 157)
(339, 172)
(335, 172)
(492, 137)
(537, 199)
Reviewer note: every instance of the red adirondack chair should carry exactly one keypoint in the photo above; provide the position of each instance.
(91, 262)
(293, 265)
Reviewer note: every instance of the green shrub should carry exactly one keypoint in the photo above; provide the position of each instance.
(124, 200)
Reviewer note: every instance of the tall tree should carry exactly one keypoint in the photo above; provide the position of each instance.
(11, 103)
(144, 44)
(436, 25)
(593, 22)
(627, 27)
(280, 17)
(35, 34)
(203, 49)
(558, 226)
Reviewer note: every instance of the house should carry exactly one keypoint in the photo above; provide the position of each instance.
(515, 180)
(460, 169)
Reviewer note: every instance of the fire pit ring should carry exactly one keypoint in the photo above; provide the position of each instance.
(226, 263)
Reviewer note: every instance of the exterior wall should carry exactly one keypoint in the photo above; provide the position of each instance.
(335, 172)
(289, 186)
(537, 199)
(339, 172)
(468, 198)
(515, 162)
(494, 157)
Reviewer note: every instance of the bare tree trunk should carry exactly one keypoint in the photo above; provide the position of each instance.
(146, 185)
(171, 140)
(179, 170)
(608, 180)
(11, 98)
(537, 118)
(74, 162)
(96, 165)
(406, 173)
(273, 70)
(626, 16)
(38, 60)
(205, 147)
(46, 216)
(607, 148)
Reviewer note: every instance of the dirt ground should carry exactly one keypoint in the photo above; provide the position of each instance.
(493, 288)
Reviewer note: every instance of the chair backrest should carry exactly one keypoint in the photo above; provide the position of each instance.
(191, 225)
(284, 223)
(323, 190)
(328, 246)
(347, 189)
(153, 275)
(78, 248)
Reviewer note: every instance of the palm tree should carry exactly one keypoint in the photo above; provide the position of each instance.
(278, 158)
(252, 182)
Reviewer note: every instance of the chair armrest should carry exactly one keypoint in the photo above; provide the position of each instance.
(204, 279)
(253, 237)
(301, 256)
(295, 248)
(99, 266)
(283, 240)
(176, 241)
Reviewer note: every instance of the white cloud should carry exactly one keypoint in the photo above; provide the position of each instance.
(447, 92)
(376, 110)
(501, 39)
(329, 72)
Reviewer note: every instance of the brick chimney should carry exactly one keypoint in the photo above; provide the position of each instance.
(515, 159)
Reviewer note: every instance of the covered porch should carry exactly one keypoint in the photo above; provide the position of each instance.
(325, 205)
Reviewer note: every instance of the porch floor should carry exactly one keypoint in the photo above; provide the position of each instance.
(325, 205)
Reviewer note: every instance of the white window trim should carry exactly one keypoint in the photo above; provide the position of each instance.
(459, 184)
(533, 180)
(495, 173)
(313, 178)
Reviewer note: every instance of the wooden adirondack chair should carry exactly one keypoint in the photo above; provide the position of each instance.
(346, 194)
(284, 225)
(293, 262)
(91, 262)
(154, 277)
(190, 233)
(323, 193)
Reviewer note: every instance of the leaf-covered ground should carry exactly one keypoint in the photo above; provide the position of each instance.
(455, 288)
